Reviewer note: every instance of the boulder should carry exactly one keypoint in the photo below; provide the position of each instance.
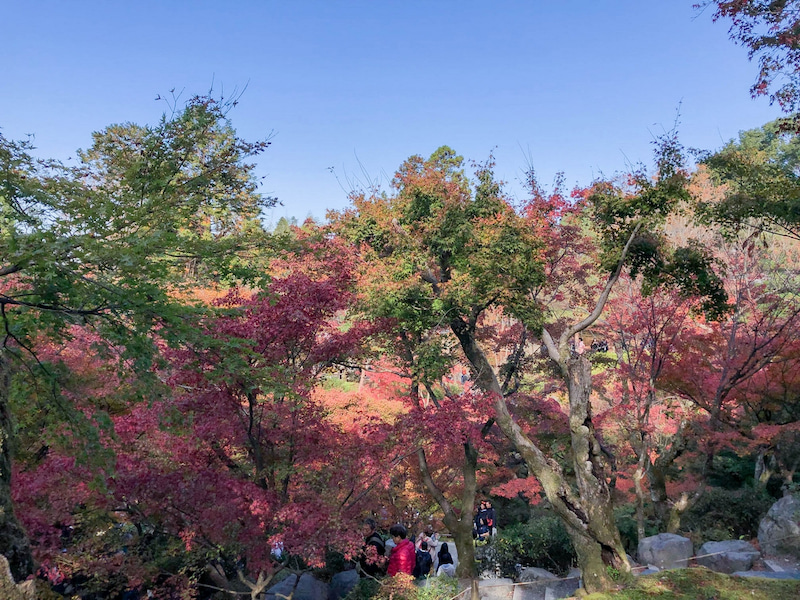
(527, 574)
(665, 551)
(546, 588)
(727, 556)
(779, 531)
(342, 584)
(563, 588)
(499, 588)
(773, 565)
(307, 589)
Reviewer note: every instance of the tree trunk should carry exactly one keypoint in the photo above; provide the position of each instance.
(14, 544)
(667, 513)
(765, 468)
(638, 476)
(459, 525)
(465, 546)
(589, 516)
(658, 494)
(680, 506)
(590, 460)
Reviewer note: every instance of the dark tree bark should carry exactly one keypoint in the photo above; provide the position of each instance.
(14, 544)
(459, 524)
(587, 515)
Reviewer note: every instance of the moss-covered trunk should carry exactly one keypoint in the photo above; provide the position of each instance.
(598, 543)
(462, 537)
(588, 515)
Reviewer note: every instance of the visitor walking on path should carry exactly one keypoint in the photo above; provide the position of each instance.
(445, 562)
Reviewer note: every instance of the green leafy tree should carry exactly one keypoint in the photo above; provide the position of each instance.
(759, 179)
(112, 244)
(438, 254)
(467, 250)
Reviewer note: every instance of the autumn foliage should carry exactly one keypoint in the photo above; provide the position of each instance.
(244, 408)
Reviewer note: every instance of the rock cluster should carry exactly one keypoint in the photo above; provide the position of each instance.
(778, 535)
(779, 531)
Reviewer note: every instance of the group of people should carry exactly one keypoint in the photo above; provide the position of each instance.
(417, 557)
(485, 524)
(577, 346)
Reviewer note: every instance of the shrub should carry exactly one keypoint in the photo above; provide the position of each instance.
(625, 517)
(366, 589)
(542, 542)
(438, 588)
(404, 587)
(722, 514)
(398, 587)
(335, 562)
(731, 471)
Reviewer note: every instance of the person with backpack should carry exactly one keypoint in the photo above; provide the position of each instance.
(423, 562)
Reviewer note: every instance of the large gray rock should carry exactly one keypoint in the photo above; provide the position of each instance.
(496, 589)
(546, 589)
(728, 556)
(563, 588)
(779, 531)
(527, 574)
(342, 584)
(307, 589)
(665, 551)
(541, 585)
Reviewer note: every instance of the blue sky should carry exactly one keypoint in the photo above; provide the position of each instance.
(349, 89)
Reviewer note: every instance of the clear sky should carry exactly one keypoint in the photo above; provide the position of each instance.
(349, 89)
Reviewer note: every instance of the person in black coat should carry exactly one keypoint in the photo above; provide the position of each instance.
(373, 539)
(445, 558)
(491, 518)
(424, 561)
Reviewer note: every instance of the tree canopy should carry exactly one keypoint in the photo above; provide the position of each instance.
(113, 242)
(193, 404)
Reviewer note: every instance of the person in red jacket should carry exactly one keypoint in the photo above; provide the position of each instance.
(403, 556)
